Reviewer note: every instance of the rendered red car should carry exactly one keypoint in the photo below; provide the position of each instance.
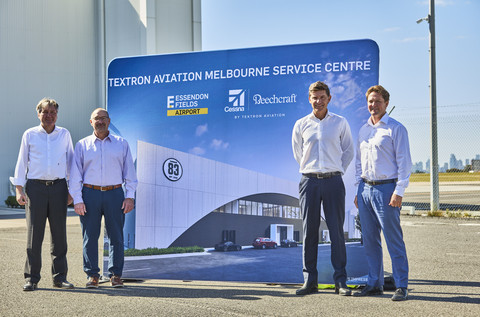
(263, 243)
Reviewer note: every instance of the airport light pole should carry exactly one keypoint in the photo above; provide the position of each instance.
(434, 191)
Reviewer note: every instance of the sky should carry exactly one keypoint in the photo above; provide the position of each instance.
(404, 54)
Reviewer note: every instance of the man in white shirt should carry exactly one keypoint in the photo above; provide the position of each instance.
(43, 164)
(382, 170)
(323, 147)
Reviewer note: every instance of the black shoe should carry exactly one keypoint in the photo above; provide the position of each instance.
(400, 294)
(63, 284)
(30, 286)
(342, 289)
(370, 291)
(307, 288)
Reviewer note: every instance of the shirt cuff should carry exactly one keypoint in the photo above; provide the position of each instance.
(18, 181)
(77, 199)
(399, 191)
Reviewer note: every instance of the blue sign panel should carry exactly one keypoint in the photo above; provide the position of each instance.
(211, 135)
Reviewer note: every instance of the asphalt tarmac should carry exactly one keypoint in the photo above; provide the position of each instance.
(444, 281)
(452, 195)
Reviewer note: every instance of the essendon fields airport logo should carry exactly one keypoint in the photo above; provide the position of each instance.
(236, 100)
(187, 104)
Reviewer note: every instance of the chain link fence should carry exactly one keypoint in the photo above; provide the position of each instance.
(458, 130)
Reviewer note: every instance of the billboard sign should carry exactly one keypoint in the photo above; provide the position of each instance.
(211, 136)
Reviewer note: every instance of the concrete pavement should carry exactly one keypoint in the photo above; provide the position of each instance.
(444, 280)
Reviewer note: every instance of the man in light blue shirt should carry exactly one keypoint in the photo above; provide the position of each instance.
(102, 164)
(382, 170)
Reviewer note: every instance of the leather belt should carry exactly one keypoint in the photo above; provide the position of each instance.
(48, 182)
(385, 181)
(322, 175)
(102, 188)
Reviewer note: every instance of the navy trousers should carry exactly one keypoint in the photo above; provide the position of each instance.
(331, 193)
(108, 204)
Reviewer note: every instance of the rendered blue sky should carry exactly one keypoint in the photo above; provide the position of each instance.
(404, 56)
(262, 145)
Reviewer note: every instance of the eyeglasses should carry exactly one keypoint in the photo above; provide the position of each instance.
(103, 118)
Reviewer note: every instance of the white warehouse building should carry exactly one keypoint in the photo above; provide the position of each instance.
(61, 49)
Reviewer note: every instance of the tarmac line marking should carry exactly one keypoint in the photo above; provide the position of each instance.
(164, 256)
(14, 240)
(460, 254)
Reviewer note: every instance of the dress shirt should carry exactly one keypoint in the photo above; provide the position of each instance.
(322, 146)
(43, 155)
(102, 163)
(383, 152)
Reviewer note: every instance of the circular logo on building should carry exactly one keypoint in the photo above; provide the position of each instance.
(172, 169)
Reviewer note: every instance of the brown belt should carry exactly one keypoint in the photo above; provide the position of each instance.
(102, 188)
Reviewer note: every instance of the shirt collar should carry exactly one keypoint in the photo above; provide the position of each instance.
(106, 138)
(383, 120)
(312, 116)
(42, 130)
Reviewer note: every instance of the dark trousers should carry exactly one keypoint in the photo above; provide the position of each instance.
(331, 193)
(46, 202)
(108, 204)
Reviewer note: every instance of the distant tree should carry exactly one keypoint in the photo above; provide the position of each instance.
(467, 168)
(454, 170)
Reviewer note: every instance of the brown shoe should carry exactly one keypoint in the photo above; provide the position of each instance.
(116, 281)
(92, 282)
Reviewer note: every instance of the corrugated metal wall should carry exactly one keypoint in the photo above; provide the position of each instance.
(58, 48)
(47, 49)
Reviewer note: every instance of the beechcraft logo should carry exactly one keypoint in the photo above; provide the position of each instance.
(236, 100)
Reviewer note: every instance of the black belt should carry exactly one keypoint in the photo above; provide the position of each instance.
(322, 175)
(385, 181)
(48, 182)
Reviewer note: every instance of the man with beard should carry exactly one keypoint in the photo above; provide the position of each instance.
(103, 163)
(323, 147)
